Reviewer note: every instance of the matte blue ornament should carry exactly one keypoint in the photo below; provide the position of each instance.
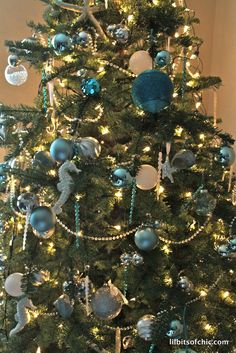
(90, 87)
(227, 156)
(61, 43)
(152, 91)
(120, 178)
(162, 58)
(146, 239)
(62, 150)
(42, 219)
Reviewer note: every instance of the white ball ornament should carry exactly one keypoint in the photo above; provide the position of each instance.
(13, 284)
(145, 327)
(140, 61)
(147, 177)
(16, 75)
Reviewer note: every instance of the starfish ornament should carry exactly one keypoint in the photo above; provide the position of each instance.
(167, 170)
(86, 12)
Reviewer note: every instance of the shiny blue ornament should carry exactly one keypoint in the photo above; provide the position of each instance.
(152, 91)
(42, 219)
(120, 178)
(146, 238)
(82, 38)
(90, 87)
(61, 43)
(227, 156)
(162, 58)
(62, 150)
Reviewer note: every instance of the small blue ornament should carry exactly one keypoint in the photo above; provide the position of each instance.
(227, 156)
(61, 43)
(120, 178)
(82, 38)
(162, 58)
(62, 150)
(146, 239)
(90, 87)
(152, 91)
(42, 219)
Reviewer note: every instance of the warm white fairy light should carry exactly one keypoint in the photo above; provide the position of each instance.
(146, 149)
(175, 94)
(117, 227)
(38, 350)
(198, 105)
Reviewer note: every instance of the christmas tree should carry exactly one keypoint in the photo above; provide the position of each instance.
(118, 198)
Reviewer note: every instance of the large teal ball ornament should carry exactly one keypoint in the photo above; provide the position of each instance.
(61, 43)
(146, 238)
(163, 58)
(152, 91)
(227, 156)
(120, 178)
(42, 219)
(62, 150)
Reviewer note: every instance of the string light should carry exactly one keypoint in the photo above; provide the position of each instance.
(146, 149)
(104, 130)
(38, 350)
(119, 195)
(117, 227)
(166, 249)
(178, 131)
(203, 293)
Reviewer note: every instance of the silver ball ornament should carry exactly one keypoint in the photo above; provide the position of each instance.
(232, 244)
(88, 147)
(137, 259)
(183, 159)
(146, 238)
(82, 38)
(62, 150)
(42, 219)
(227, 156)
(145, 327)
(27, 201)
(13, 60)
(126, 259)
(61, 43)
(185, 284)
(120, 178)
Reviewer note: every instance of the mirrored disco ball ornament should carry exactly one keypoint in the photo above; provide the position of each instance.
(90, 87)
(61, 43)
(146, 238)
(145, 327)
(107, 302)
(205, 203)
(16, 75)
(120, 178)
(152, 91)
(176, 329)
(88, 147)
(42, 219)
(183, 159)
(27, 201)
(140, 61)
(62, 150)
(163, 58)
(13, 284)
(227, 156)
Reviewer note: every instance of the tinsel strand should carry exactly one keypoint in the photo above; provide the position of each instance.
(132, 204)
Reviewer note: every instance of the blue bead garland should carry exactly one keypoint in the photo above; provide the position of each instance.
(133, 197)
(151, 349)
(77, 223)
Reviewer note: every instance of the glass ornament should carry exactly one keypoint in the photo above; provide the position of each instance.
(152, 91)
(42, 219)
(62, 150)
(13, 284)
(146, 238)
(90, 87)
(183, 159)
(61, 43)
(205, 203)
(140, 61)
(27, 201)
(145, 327)
(120, 178)
(13, 60)
(16, 75)
(88, 147)
(163, 58)
(227, 156)
(82, 38)
(147, 177)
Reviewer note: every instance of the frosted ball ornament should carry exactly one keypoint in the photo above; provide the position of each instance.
(13, 284)
(15, 73)
(121, 178)
(146, 238)
(183, 159)
(88, 147)
(90, 87)
(140, 61)
(27, 201)
(145, 327)
(147, 177)
(152, 91)
(163, 58)
(205, 203)
(42, 219)
(61, 43)
(227, 156)
(62, 150)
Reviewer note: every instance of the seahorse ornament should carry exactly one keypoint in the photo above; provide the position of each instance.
(65, 185)
(22, 315)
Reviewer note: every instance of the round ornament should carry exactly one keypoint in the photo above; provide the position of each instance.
(147, 177)
(145, 327)
(223, 249)
(13, 284)
(27, 201)
(61, 43)
(43, 159)
(42, 219)
(126, 259)
(13, 60)
(152, 91)
(227, 156)
(82, 38)
(140, 61)
(163, 58)
(146, 238)
(204, 203)
(175, 330)
(62, 150)
(88, 147)
(119, 32)
(137, 259)
(90, 87)
(64, 306)
(16, 75)
(232, 244)
(185, 284)
(120, 178)
(107, 302)
(183, 159)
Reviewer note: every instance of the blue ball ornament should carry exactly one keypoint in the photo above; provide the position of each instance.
(61, 43)
(62, 150)
(146, 238)
(42, 219)
(227, 156)
(120, 178)
(152, 91)
(82, 38)
(90, 87)
(163, 58)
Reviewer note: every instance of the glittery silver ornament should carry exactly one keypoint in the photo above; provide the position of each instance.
(88, 147)
(227, 156)
(176, 329)
(137, 259)
(145, 327)
(119, 32)
(183, 159)
(27, 201)
(107, 302)
(126, 259)
(63, 306)
(205, 203)
(185, 284)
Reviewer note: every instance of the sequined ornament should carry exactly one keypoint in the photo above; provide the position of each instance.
(137, 259)
(27, 201)
(119, 32)
(120, 178)
(61, 43)
(126, 259)
(107, 302)
(163, 58)
(16, 75)
(145, 327)
(146, 238)
(43, 159)
(152, 91)
(42, 219)
(183, 159)
(64, 306)
(62, 150)
(90, 87)
(176, 329)
(227, 156)
(205, 203)
(185, 284)
(88, 147)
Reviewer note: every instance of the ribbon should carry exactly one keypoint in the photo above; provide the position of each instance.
(118, 340)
